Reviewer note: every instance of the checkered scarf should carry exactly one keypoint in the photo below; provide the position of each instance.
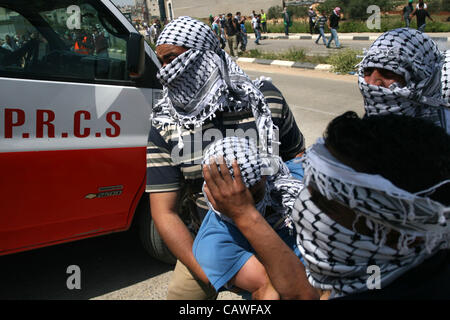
(446, 77)
(280, 185)
(336, 257)
(413, 55)
(204, 80)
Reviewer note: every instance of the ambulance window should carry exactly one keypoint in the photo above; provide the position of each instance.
(62, 40)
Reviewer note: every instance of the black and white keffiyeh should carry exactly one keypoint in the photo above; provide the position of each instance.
(281, 187)
(205, 80)
(446, 77)
(337, 258)
(416, 57)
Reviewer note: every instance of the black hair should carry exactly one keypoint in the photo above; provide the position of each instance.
(413, 153)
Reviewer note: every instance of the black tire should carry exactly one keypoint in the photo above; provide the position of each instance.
(150, 238)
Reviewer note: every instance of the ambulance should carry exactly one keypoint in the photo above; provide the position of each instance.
(77, 85)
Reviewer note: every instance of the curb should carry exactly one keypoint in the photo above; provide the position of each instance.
(288, 64)
(341, 37)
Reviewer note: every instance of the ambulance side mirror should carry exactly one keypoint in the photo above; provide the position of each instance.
(135, 56)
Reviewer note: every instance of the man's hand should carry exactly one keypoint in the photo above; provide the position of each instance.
(227, 195)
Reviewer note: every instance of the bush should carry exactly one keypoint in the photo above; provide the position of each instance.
(274, 12)
(355, 9)
(345, 60)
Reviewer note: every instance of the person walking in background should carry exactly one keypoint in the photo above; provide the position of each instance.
(256, 28)
(320, 23)
(218, 31)
(231, 31)
(263, 21)
(243, 35)
(287, 21)
(407, 11)
(421, 15)
(238, 35)
(312, 19)
(333, 24)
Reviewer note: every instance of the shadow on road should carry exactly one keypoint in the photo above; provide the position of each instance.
(107, 264)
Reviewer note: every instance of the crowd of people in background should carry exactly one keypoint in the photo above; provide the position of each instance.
(231, 30)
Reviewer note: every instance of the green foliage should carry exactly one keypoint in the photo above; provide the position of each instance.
(274, 12)
(345, 61)
(355, 9)
(297, 11)
(293, 54)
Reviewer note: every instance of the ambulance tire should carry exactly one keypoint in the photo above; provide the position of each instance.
(150, 238)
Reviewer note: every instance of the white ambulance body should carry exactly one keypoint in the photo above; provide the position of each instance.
(77, 84)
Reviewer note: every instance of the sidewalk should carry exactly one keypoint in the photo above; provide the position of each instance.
(364, 36)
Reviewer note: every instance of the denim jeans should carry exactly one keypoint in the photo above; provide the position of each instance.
(422, 27)
(407, 22)
(334, 36)
(244, 42)
(322, 34)
(286, 29)
(257, 35)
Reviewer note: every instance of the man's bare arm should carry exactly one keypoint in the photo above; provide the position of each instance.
(173, 230)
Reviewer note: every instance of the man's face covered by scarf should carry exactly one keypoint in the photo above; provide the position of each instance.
(414, 56)
(204, 80)
(402, 229)
(278, 188)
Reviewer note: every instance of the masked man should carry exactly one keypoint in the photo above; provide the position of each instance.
(401, 74)
(222, 251)
(206, 96)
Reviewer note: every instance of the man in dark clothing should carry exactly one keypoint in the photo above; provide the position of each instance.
(407, 11)
(333, 25)
(312, 19)
(421, 15)
(232, 29)
(287, 21)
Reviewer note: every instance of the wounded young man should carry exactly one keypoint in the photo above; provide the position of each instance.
(224, 254)
(377, 193)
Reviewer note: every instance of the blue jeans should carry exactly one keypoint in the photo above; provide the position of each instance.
(244, 42)
(322, 34)
(422, 27)
(257, 35)
(334, 36)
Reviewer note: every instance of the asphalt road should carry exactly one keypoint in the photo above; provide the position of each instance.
(116, 266)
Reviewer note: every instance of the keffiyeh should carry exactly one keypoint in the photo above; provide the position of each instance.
(446, 77)
(280, 186)
(413, 55)
(337, 258)
(205, 80)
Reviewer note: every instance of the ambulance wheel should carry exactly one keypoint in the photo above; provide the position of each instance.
(150, 238)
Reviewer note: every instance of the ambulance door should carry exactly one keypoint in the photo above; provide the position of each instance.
(73, 124)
